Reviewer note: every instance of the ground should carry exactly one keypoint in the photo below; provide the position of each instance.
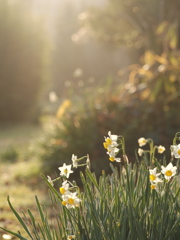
(19, 174)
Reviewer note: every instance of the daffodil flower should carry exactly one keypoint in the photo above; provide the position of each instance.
(113, 149)
(175, 150)
(142, 141)
(154, 177)
(161, 149)
(169, 171)
(74, 161)
(111, 145)
(65, 170)
(50, 180)
(112, 155)
(70, 237)
(113, 137)
(65, 187)
(110, 141)
(140, 151)
(70, 200)
(154, 186)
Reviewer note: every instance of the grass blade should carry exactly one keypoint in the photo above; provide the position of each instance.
(19, 218)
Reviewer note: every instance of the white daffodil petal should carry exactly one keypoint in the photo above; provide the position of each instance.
(169, 171)
(65, 170)
(142, 141)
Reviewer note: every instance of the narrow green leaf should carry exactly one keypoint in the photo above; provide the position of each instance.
(92, 178)
(19, 218)
(14, 234)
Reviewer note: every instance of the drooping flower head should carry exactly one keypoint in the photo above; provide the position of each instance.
(169, 171)
(175, 150)
(50, 180)
(142, 141)
(112, 155)
(161, 149)
(140, 152)
(65, 170)
(74, 161)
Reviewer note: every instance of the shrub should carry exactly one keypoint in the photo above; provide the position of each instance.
(82, 124)
(75, 130)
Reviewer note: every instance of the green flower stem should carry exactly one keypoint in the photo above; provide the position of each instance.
(52, 188)
(176, 138)
(153, 159)
(122, 143)
(165, 206)
(82, 165)
(80, 159)
(55, 180)
(84, 221)
(151, 148)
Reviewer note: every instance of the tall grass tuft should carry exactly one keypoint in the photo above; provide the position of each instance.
(137, 201)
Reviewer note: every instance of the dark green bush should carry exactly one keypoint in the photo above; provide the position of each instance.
(81, 128)
(145, 106)
(10, 154)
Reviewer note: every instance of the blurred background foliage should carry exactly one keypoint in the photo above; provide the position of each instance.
(23, 63)
(133, 23)
(90, 67)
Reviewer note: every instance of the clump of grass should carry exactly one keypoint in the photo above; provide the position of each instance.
(9, 154)
(136, 201)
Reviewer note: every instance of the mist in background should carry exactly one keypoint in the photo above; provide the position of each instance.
(120, 56)
(43, 49)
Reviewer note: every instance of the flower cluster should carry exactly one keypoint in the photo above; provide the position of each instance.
(169, 171)
(111, 144)
(112, 147)
(69, 192)
(69, 199)
(143, 141)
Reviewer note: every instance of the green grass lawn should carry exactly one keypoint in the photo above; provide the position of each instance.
(18, 135)
(19, 172)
